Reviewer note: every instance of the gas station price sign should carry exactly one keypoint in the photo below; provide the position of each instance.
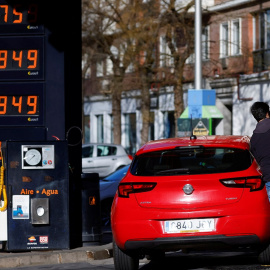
(17, 17)
(21, 104)
(21, 58)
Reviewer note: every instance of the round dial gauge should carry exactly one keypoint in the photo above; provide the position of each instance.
(32, 157)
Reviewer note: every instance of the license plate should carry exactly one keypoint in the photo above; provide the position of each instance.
(189, 225)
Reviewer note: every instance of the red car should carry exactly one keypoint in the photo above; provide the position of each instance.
(190, 194)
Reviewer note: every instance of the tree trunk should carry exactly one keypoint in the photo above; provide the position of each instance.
(116, 110)
(178, 102)
(145, 110)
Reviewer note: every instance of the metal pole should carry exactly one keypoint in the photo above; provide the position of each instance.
(198, 44)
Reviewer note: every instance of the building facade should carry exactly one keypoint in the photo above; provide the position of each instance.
(236, 59)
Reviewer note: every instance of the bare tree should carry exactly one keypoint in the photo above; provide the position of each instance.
(148, 27)
(109, 32)
(178, 24)
(128, 34)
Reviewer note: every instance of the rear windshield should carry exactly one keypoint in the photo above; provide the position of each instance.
(191, 160)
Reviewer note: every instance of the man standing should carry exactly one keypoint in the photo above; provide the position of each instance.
(260, 140)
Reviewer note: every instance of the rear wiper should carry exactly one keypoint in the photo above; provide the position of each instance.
(184, 170)
(190, 147)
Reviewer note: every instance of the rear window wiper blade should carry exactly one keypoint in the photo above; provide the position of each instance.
(190, 147)
(183, 170)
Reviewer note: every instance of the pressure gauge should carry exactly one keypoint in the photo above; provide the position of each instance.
(38, 157)
(32, 157)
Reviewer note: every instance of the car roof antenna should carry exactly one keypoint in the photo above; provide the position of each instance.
(193, 136)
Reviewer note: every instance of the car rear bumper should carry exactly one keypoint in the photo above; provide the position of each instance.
(193, 242)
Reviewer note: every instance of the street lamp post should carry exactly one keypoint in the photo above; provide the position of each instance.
(198, 44)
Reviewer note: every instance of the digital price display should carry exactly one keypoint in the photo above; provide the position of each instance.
(20, 17)
(21, 104)
(21, 58)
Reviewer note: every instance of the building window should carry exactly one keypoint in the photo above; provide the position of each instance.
(130, 132)
(205, 47)
(235, 36)
(151, 131)
(166, 59)
(224, 40)
(112, 137)
(191, 59)
(264, 30)
(205, 43)
(262, 23)
(261, 41)
(162, 51)
(100, 67)
(230, 38)
(100, 133)
(130, 68)
(169, 125)
(109, 67)
(86, 129)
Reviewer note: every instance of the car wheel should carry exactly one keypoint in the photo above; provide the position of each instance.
(264, 256)
(123, 261)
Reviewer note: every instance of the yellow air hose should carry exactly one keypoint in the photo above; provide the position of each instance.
(3, 190)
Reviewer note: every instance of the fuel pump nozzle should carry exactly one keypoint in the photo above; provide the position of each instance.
(3, 190)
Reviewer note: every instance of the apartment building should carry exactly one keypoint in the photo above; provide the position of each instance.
(235, 64)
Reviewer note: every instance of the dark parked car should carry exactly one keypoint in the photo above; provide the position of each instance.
(108, 187)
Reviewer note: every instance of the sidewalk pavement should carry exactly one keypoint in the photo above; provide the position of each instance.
(31, 258)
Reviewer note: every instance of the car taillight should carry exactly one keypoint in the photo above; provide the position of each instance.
(253, 183)
(125, 189)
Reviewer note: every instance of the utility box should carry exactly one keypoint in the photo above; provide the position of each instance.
(38, 195)
(91, 211)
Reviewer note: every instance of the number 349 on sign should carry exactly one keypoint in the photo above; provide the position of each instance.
(18, 59)
(19, 105)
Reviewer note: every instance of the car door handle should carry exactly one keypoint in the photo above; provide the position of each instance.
(114, 158)
(89, 161)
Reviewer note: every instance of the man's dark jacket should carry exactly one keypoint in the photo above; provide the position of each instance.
(260, 146)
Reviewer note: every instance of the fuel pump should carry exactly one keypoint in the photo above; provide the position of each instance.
(37, 194)
(40, 205)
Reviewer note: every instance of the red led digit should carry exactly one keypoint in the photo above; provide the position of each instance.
(32, 13)
(18, 14)
(17, 104)
(18, 58)
(3, 104)
(3, 59)
(32, 102)
(32, 56)
(5, 7)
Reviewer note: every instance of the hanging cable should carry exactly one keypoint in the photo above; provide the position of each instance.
(3, 190)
